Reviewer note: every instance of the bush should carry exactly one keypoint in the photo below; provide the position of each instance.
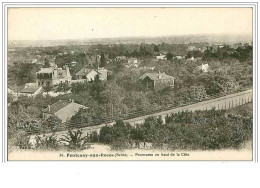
(209, 130)
(120, 144)
(23, 141)
(47, 142)
(93, 137)
(74, 140)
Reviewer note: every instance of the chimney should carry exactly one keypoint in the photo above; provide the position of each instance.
(49, 107)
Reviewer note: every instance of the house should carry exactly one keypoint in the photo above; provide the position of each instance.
(146, 68)
(40, 63)
(11, 92)
(64, 110)
(203, 49)
(82, 74)
(161, 57)
(73, 63)
(191, 48)
(163, 52)
(53, 76)
(34, 61)
(157, 80)
(102, 73)
(90, 74)
(30, 90)
(78, 81)
(12, 95)
(120, 58)
(203, 67)
(221, 46)
(14, 89)
(192, 59)
(132, 62)
(179, 57)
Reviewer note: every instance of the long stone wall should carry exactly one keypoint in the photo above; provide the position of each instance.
(225, 102)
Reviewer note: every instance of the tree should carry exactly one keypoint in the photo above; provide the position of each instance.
(79, 117)
(102, 60)
(197, 93)
(121, 130)
(120, 144)
(62, 87)
(143, 51)
(75, 141)
(79, 87)
(47, 142)
(51, 123)
(46, 63)
(113, 95)
(10, 98)
(96, 88)
(21, 73)
(127, 54)
(156, 49)
(137, 135)
(106, 134)
(47, 88)
(169, 56)
(149, 128)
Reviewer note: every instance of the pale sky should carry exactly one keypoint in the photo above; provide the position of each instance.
(83, 23)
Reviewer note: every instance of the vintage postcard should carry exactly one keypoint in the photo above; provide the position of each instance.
(130, 83)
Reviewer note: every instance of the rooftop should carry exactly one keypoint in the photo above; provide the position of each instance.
(62, 73)
(156, 76)
(62, 104)
(100, 70)
(29, 90)
(83, 72)
(45, 70)
(56, 106)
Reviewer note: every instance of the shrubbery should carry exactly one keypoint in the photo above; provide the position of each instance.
(75, 141)
(47, 142)
(200, 130)
(120, 144)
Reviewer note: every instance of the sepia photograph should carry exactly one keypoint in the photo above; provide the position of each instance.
(130, 83)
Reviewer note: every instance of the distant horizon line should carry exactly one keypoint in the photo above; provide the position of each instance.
(147, 36)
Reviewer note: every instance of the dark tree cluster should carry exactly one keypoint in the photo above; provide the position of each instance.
(200, 130)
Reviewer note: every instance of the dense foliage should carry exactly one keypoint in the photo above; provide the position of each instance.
(122, 95)
(199, 130)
